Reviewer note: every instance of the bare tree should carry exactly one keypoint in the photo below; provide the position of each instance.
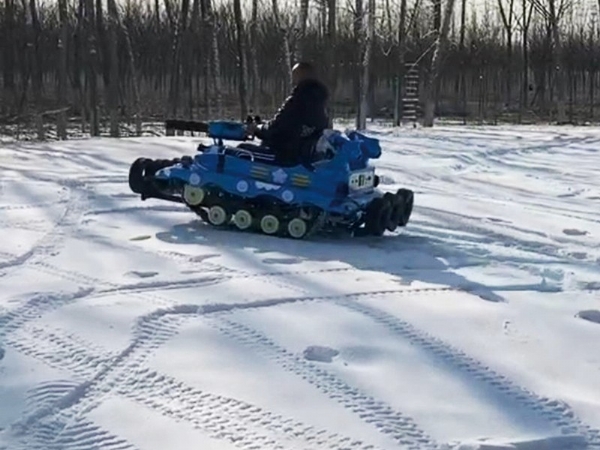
(432, 83)
(367, 48)
(61, 124)
(215, 61)
(402, 47)
(287, 53)
(176, 61)
(9, 45)
(553, 11)
(304, 4)
(359, 39)
(331, 52)
(241, 58)
(113, 86)
(91, 65)
(508, 19)
(256, 85)
(525, 21)
(137, 114)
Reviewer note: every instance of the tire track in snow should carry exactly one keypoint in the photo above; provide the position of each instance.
(78, 356)
(50, 242)
(35, 307)
(150, 332)
(247, 426)
(555, 412)
(32, 205)
(86, 395)
(81, 435)
(388, 421)
(243, 424)
(143, 289)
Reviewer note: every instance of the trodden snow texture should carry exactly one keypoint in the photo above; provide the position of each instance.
(131, 325)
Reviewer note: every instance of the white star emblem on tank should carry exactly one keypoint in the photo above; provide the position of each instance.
(279, 176)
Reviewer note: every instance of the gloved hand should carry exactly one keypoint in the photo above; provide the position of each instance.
(250, 129)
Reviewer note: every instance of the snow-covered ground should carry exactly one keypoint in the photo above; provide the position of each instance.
(129, 324)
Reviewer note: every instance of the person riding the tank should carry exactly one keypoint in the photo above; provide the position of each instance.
(296, 127)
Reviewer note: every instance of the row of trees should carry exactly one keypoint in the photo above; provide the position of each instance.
(135, 60)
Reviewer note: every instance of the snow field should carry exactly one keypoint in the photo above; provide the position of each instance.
(131, 325)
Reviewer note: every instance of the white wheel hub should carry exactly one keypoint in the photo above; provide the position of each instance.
(193, 195)
(243, 219)
(217, 215)
(297, 228)
(269, 224)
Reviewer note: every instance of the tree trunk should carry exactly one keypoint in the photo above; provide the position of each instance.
(287, 54)
(559, 76)
(175, 88)
(34, 62)
(256, 87)
(463, 81)
(103, 45)
(432, 83)
(359, 21)
(215, 56)
(331, 46)
(241, 59)
(304, 4)
(369, 25)
(137, 109)
(507, 21)
(61, 124)
(113, 86)
(8, 71)
(401, 69)
(91, 66)
(525, 69)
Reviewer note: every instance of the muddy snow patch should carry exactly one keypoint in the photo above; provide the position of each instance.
(320, 354)
(138, 274)
(592, 315)
(566, 442)
(590, 286)
(574, 232)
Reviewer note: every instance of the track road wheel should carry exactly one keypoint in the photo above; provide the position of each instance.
(193, 195)
(269, 224)
(407, 198)
(297, 228)
(395, 207)
(242, 219)
(136, 175)
(217, 216)
(378, 217)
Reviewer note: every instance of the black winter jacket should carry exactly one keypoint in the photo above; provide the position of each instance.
(298, 124)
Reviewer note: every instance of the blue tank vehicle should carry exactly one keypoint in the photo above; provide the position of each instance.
(335, 190)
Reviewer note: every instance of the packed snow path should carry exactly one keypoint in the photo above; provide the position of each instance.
(131, 325)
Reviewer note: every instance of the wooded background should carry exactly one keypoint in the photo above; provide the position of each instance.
(110, 65)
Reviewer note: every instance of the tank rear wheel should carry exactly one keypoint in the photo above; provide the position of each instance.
(136, 175)
(297, 228)
(217, 216)
(269, 224)
(407, 198)
(193, 195)
(242, 219)
(378, 217)
(396, 207)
